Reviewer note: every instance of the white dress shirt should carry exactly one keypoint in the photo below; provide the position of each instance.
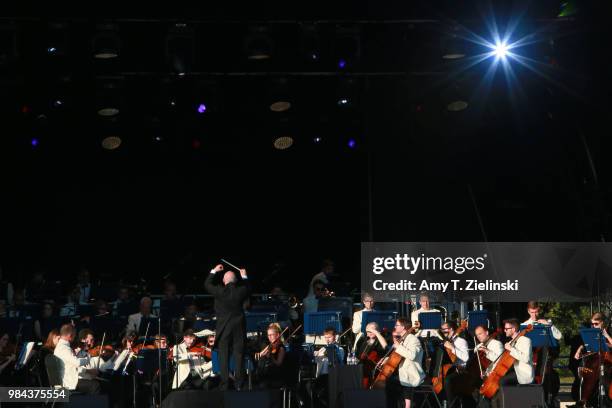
(523, 364)
(493, 350)
(70, 365)
(461, 351)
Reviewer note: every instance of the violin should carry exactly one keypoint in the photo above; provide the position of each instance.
(200, 349)
(105, 351)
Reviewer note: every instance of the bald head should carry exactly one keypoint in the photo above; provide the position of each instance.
(229, 277)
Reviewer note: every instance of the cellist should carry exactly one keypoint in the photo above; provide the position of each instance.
(410, 371)
(369, 350)
(457, 346)
(522, 371)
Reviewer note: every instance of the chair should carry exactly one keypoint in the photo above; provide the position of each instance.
(426, 389)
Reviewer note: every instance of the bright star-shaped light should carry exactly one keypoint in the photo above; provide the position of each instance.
(501, 50)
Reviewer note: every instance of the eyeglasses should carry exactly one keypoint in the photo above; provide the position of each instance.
(508, 328)
(594, 323)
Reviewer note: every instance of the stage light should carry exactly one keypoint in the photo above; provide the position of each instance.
(106, 43)
(34, 142)
(258, 44)
(457, 106)
(343, 102)
(201, 108)
(317, 140)
(280, 106)
(352, 143)
(283, 142)
(58, 103)
(501, 50)
(108, 112)
(51, 50)
(111, 142)
(341, 64)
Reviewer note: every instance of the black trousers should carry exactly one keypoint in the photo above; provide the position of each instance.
(88, 386)
(232, 336)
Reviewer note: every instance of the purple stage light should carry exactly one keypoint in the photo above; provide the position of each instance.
(201, 108)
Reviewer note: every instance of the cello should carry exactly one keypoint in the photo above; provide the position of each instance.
(392, 360)
(438, 382)
(490, 386)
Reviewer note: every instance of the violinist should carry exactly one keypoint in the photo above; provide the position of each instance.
(71, 366)
(102, 359)
(191, 367)
(457, 347)
(369, 350)
(122, 361)
(271, 366)
(597, 322)
(521, 371)
(410, 371)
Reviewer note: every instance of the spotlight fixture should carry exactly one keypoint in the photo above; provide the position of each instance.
(57, 39)
(347, 47)
(258, 44)
(106, 44)
(352, 143)
(111, 142)
(453, 47)
(180, 48)
(279, 95)
(201, 108)
(283, 142)
(108, 96)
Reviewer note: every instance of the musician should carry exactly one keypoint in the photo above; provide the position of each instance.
(534, 310)
(8, 356)
(590, 370)
(410, 371)
(522, 371)
(324, 276)
(231, 322)
(368, 306)
(135, 319)
(425, 308)
(124, 358)
(192, 369)
(490, 347)
(70, 307)
(331, 350)
(311, 302)
(271, 366)
(96, 364)
(71, 365)
(551, 377)
(458, 347)
(369, 350)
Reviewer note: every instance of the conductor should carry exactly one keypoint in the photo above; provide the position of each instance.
(231, 322)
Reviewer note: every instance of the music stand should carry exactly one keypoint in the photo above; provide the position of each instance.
(595, 342)
(316, 322)
(258, 322)
(145, 322)
(478, 318)
(24, 355)
(384, 320)
(147, 361)
(541, 337)
(342, 304)
(430, 320)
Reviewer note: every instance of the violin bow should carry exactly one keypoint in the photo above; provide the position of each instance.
(101, 348)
